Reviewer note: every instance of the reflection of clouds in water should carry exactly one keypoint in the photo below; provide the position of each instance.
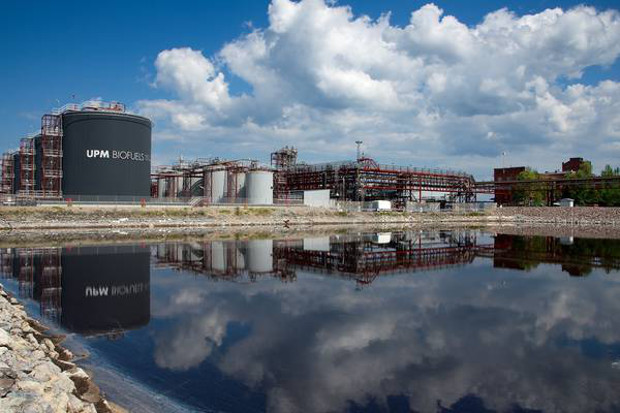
(190, 343)
(317, 343)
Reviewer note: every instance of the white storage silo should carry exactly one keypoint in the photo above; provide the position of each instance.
(238, 192)
(161, 187)
(218, 256)
(215, 189)
(259, 256)
(259, 187)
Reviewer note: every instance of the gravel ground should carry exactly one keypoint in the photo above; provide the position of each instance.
(559, 215)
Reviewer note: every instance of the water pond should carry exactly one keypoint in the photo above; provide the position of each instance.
(419, 321)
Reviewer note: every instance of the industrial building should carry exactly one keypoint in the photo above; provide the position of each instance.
(214, 181)
(507, 181)
(366, 180)
(92, 149)
(98, 152)
(287, 181)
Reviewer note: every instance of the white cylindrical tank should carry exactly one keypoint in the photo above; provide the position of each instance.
(178, 186)
(240, 192)
(217, 186)
(259, 256)
(218, 257)
(161, 187)
(259, 187)
(239, 258)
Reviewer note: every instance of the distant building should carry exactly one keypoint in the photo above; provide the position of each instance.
(507, 174)
(504, 196)
(573, 164)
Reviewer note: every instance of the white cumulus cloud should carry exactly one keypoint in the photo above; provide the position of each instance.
(432, 91)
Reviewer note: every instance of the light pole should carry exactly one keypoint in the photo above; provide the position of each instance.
(359, 149)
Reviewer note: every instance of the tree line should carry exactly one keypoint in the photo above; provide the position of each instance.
(535, 194)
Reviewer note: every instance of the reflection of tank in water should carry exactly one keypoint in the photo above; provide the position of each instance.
(222, 259)
(359, 256)
(88, 290)
(105, 288)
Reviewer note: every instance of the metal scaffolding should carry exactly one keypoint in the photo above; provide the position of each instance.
(49, 276)
(366, 180)
(7, 176)
(27, 167)
(364, 259)
(51, 156)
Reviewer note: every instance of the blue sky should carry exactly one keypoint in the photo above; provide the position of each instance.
(57, 53)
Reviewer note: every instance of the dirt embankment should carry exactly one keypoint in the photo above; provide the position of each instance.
(153, 217)
(28, 222)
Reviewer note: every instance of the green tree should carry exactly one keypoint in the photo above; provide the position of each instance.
(532, 194)
(610, 195)
(582, 195)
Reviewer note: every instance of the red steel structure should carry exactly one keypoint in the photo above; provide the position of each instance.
(7, 176)
(363, 259)
(36, 269)
(366, 180)
(51, 156)
(27, 167)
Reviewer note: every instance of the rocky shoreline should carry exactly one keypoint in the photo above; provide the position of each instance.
(36, 373)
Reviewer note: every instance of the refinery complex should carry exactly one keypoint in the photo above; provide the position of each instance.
(98, 152)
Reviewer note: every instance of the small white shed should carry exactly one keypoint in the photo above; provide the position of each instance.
(380, 206)
(317, 198)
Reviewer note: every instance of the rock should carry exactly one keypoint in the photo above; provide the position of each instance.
(86, 389)
(35, 372)
(25, 327)
(105, 407)
(77, 405)
(65, 355)
(48, 343)
(5, 385)
(20, 402)
(77, 374)
(32, 340)
(45, 372)
(64, 365)
(5, 338)
(29, 386)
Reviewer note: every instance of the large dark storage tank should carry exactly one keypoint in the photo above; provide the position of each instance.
(105, 288)
(106, 153)
(16, 168)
